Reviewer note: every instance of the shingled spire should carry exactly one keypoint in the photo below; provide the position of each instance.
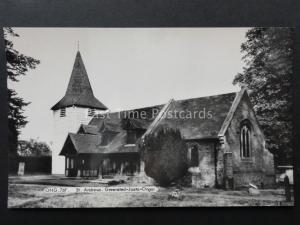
(79, 91)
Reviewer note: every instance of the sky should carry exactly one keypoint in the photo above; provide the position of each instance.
(127, 67)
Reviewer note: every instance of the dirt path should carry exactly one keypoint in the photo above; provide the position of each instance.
(32, 196)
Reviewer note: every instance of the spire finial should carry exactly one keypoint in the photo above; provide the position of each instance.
(77, 45)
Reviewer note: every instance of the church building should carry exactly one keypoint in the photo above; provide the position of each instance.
(226, 147)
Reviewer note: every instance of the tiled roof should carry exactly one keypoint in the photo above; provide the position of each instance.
(208, 115)
(200, 118)
(82, 144)
(91, 144)
(79, 91)
(139, 118)
(88, 129)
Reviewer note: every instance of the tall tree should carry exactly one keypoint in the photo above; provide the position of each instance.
(268, 57)
(17, 66)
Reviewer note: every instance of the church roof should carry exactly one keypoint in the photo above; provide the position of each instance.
(202, 119)
(88, 129)
(197, 118)
(79, 91)
(139, 118)
(82, 144)
(91, 144)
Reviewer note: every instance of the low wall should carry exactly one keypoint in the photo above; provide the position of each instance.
(33, 164)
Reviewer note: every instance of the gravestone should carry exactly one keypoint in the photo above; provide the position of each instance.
(253, 191)
(21, 168)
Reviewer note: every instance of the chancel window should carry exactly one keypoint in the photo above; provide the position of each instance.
(91, 112)
(245, 141)
(62, 112)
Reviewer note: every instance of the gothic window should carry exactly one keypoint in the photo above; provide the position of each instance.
(91, 112)
(245, 141)
(194, 156)
(62, 112)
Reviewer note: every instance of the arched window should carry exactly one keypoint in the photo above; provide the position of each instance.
(245, 141)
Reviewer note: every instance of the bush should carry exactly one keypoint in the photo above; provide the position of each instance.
(165, 156)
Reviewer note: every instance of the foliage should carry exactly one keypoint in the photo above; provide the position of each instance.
(164, 155)
(268, 57)
(17, 66)
(33, 148)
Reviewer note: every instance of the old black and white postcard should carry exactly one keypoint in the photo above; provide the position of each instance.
(149, 117)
